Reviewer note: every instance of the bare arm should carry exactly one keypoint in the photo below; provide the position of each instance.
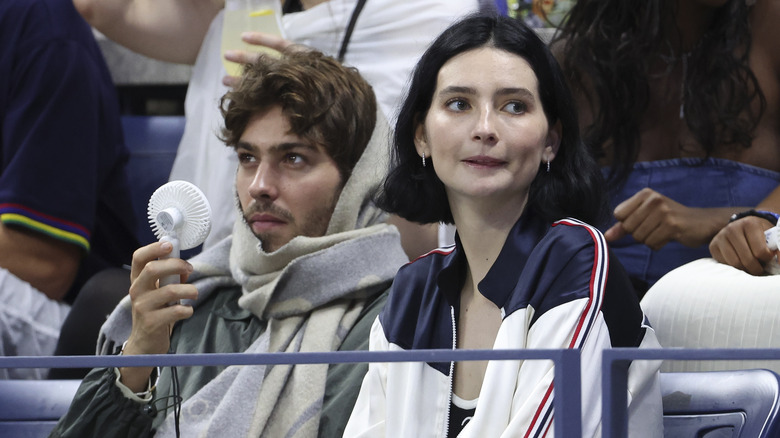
(416, 239)
(655, 220)
(168, 30)
(48, 264)
(771, 202)
(741, 243)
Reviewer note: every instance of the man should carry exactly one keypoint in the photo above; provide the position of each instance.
(387, 40)
(64, 202)
(301, 272)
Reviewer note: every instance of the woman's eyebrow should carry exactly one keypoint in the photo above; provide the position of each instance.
(509, 91)
(456, 89)
(513, 91)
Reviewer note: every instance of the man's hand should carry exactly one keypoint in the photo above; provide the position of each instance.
(153, 317)
(655, 220)
(742, 245)
(257, 39)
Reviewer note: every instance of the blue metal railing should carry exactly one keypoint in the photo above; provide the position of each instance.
(567, 389)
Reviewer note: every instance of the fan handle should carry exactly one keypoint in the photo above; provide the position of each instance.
(175, 253)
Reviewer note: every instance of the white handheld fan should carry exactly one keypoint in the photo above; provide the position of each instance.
(772, 236)
(179, 213)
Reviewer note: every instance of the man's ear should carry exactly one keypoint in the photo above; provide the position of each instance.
(553, 142)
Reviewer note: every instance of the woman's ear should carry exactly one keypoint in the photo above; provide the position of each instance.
(553, 142)
(421, 140)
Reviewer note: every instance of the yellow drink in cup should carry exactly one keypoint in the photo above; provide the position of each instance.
(238, 21)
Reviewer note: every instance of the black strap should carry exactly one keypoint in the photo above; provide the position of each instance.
(350, 28)
(768, 215)
(291, 6)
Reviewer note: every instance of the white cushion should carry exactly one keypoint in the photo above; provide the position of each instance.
(706, 304)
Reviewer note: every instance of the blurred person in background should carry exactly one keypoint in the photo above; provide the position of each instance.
(64, 203)
(680, 101)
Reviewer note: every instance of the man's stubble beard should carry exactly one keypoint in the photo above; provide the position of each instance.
(315, 224)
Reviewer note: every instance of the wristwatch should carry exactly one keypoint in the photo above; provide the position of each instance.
(768, 215)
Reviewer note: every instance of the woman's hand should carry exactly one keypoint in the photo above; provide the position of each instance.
(742, 245)
(655, 220)
(261, 39)
(153, 315)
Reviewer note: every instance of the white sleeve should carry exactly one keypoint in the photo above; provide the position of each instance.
(532, 400)
(368, 415)
(576, 323)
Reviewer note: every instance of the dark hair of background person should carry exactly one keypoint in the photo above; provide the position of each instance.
(326, 103)
(606, 49)
(573, 187)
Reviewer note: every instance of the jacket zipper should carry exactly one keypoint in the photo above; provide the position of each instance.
(452, 371)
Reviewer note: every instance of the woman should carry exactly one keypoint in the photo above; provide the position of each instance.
(487, 139)
(680, 100)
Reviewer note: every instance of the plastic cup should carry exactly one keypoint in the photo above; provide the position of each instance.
(248, 15)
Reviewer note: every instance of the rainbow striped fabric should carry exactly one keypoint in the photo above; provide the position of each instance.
(16, 214)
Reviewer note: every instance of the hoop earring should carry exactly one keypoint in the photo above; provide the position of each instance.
(548, 165)
(423, 159)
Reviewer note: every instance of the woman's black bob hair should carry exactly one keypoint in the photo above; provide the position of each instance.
(574, 185)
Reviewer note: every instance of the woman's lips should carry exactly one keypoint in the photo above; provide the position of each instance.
(484, 161)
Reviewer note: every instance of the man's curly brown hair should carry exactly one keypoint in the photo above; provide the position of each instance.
(325, 103)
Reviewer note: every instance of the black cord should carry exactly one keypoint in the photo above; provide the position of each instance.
(176, 399)
(175, 388)
(166, 406)
(292, 6)
(350, 28)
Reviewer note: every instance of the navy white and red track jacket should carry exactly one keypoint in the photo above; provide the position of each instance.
(557, 287)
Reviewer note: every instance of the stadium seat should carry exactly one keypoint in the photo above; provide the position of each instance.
(710, 404)
(152, 142)
(31, 408)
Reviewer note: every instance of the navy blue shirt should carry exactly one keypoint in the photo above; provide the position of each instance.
(62, 152)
